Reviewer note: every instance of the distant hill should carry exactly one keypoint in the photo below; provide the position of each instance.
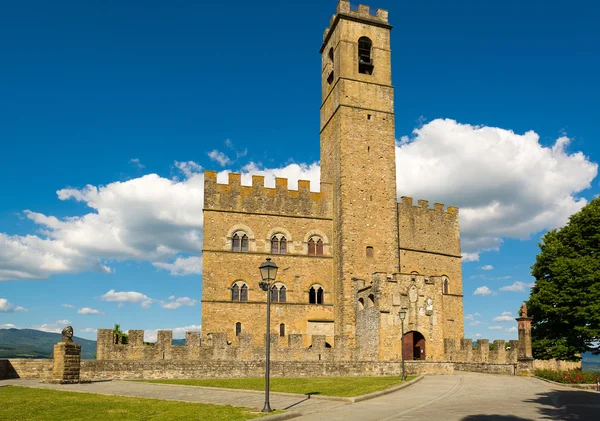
(30, 343)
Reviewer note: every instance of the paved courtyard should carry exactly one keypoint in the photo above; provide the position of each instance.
(465, 396)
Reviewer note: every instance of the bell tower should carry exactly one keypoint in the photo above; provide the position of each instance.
(358, 152)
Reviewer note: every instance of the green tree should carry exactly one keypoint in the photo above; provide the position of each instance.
(565, 301)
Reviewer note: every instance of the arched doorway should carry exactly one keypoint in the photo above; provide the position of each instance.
(414, 346)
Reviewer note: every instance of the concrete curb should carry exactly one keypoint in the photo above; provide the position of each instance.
(280, 417)
(588, 387)
(386, 391)
(353, 399)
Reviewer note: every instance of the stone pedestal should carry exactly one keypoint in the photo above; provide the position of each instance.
(524, 352)
(67, 363)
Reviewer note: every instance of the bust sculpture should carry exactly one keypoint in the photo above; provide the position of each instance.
(67, 334)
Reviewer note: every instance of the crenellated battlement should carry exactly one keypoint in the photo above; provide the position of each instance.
(256, 198)
(407, 201)
(361, 12)
(466, 352)
(215, 348)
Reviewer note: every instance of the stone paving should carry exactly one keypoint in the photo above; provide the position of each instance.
(464, 396)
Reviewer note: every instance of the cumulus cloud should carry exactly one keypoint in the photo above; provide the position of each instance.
(178, 302)
(506, 316)
(506, 184)
(89, 311)
(495, 328)
(482, 291)
(487, 267)
(511, 329)
(55, 327)
(478, 335)
(8, 326)
(147, 218)
(475, 323)
(6, 307)
(123, 297)
(469, 317)
(67, 305)
(178, 332)
(219, 157)
(182, 266)
(516, 287)
(89, 330)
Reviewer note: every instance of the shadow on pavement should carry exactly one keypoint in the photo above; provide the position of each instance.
(577, 405)
(493, 418)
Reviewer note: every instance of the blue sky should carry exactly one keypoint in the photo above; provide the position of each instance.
(496, 108)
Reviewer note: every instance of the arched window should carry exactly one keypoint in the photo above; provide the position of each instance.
(361, 304)
(371, 300)
(315, 246)
(330, 76)
(278, 244)
(365, 62)
(238, 329)
(315, 295)
(239, 242)
(282, 246)
(369, 251)
(239, 291)
(281, 329)
(445, 286)
(278, 293)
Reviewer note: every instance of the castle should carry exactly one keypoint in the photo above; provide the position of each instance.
(350, 256)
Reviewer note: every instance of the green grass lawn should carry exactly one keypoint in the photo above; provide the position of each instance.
(23, 403)
(329, 386)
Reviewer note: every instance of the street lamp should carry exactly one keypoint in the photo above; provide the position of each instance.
(268, 272)
(402, 314)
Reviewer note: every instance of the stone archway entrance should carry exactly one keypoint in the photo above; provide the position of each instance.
(414, 346)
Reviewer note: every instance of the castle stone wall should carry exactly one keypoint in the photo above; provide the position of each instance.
(556, 365)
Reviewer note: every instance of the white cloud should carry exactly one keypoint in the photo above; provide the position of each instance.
(89, 330)
(511, 329)
(89, 311)
(178, 302)
(219, 157)
(475, 323)
(506, 313)
(127, 297)
(469, 317)
(136, 162)
(478, 335)
(55, 327)
(147, 218)
(477, 315)
(482, 291)
(8, 326)
(189, 168)
(487, 267)
(505, 184)
(504, 319)
(516, 287)
(495, 328)
(6, 307)
(178, 332)
(182, 266)
(67, 305)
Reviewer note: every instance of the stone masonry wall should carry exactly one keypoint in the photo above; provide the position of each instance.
(463, 351)
(556, 365)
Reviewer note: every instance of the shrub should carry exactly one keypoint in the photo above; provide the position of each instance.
(569, 377)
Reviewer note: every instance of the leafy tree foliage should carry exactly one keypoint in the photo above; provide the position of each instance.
(565, 301)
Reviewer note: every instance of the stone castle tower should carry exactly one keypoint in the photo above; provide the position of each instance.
(350, 256)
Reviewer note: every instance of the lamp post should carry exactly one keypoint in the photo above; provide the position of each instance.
(402, 314)
(268, 272)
